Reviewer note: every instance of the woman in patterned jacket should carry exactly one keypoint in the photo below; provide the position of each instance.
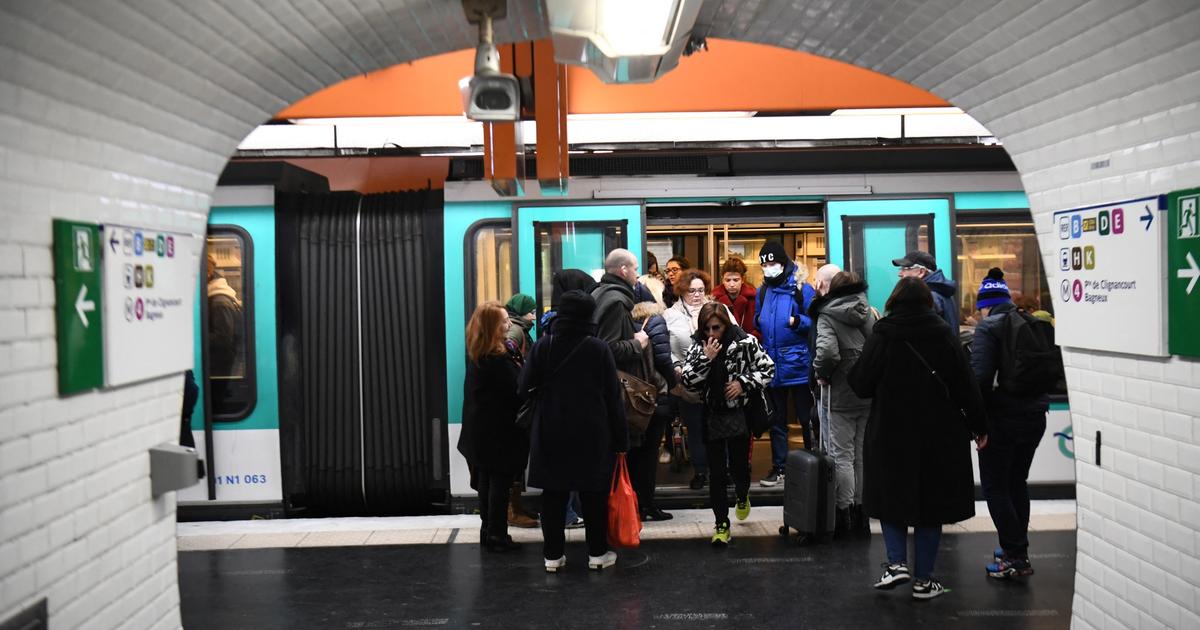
(725, 367)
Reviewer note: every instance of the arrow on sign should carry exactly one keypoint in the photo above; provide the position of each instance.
(1148, 217)
(83, 305)
(1193, 272)
(113, 242)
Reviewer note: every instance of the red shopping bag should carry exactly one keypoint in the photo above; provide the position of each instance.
(624, 520)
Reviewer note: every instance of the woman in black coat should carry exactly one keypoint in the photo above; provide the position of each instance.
(494, 447)
(925, 410)
(577, 429)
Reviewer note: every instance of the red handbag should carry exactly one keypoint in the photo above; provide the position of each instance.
(624, 520)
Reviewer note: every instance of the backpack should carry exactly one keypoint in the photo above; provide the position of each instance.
(1030, 363)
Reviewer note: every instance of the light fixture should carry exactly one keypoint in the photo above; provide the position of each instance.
(622, 41)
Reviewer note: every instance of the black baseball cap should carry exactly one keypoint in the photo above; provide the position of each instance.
(916, 257)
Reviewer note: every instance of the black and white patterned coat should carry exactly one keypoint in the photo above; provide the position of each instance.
(745, 360)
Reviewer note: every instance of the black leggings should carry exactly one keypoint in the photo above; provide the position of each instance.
(643, 459)
(554, 516)
(493, 489)
(733, 453)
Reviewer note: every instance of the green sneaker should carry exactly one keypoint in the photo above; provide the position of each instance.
(721, 535)
(743, 509)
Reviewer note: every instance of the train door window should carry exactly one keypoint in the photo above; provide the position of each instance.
(573, 245)
(1010, 243)
(491, 263)
(872, 242)
(229, 337)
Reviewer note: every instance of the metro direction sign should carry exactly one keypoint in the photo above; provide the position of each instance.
(1183, 272)
(1111, 275)
(80, 320)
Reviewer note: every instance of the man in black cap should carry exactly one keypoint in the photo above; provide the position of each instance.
(919, 264)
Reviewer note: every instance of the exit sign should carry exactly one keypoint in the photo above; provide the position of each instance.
(78, 312)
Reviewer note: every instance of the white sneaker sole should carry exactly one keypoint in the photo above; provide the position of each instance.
(887, 586)
(552, 566)
(597, 565)
(929, 594)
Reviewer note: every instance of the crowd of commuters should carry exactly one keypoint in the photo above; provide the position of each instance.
(898, 398)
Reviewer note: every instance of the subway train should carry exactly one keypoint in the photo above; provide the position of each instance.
(330, 346)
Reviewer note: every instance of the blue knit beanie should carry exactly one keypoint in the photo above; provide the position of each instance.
(993, 290)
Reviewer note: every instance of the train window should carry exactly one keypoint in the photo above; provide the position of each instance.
(573, 245)
(229, 337)
(491, 263)
(1010, 245)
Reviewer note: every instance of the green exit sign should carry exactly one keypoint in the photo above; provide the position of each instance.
(1183, 272)
(78, 312)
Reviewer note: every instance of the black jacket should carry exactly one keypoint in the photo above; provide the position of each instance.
(987, 348)
(650, 314)
(580, 419)
(917, 457)
(490, 438)
(614, 323)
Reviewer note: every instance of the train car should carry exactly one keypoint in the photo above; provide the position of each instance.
(346, 394)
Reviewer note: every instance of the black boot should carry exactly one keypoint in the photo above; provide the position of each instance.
(860, 524)
(841, 527)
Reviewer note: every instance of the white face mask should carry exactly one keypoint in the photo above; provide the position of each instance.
(772, 271)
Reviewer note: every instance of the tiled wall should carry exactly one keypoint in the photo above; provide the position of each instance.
(128, 110)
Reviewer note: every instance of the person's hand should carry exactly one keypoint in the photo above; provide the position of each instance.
(712, 348)
(792, 322)
(733, 389)
(678, 372)
(641, 336)
(981, 442)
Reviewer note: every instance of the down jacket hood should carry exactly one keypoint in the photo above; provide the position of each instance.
(852, 309)
(938, 283)
(645, 310)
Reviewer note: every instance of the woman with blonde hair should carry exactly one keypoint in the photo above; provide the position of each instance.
(495, 448)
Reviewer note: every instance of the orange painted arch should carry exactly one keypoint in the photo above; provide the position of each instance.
(730, 76)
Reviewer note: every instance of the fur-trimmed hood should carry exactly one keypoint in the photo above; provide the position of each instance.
(645, 310)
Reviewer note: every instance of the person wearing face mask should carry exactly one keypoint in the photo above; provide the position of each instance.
(735, 293)
(783, 322)
(725, 366)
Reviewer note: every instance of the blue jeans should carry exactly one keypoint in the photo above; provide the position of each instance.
(802, 400)
(693, 419)
(925, 539)
(573, 507)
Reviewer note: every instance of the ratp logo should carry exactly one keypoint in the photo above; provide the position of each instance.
(1066, 442)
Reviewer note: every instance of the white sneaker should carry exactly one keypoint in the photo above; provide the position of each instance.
(664, 457)
(928, 589)
(596, 563)
(552, 566)
(893, 574)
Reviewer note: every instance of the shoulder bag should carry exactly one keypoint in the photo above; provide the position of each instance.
(640, 397)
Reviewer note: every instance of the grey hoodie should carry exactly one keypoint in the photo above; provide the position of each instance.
(842, 330)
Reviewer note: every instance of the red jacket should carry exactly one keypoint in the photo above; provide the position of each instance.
(742, 306)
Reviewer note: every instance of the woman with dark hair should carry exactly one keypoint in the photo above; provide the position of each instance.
(740, 296)
(577, 429)
(494, 447)
(726, 366)
(926, 408)
(674, 267)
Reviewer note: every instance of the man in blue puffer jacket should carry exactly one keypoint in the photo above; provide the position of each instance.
(782, 319)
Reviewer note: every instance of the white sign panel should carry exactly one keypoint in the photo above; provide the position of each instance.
(246, 466)
(1108, 284)
(149, 292)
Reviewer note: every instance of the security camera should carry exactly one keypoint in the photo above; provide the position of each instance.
(494, 96)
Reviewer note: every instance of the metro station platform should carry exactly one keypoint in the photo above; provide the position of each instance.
(430, 572)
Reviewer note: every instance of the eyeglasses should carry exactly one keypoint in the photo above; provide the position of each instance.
(714, 328)
(674, 269)
(914, 267)
(699, 291)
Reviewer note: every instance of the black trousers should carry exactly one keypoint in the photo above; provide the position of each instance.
(730, 456)
(493, 491)
(554, 516)
(643, 459)
(1003, 472)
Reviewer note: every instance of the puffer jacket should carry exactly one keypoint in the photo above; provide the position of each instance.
(745, 361)
(944, 291)
(614, 325)
(786, 344)
(986, 348)
(648, 316)
(844, 324)
(742, 305)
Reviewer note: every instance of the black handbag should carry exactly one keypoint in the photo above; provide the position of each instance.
(760, 412)
(528, 408)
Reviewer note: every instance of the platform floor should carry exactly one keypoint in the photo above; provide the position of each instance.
(758, 582)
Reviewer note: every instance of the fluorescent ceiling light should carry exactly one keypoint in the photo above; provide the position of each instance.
(729, 191)
(896, 111)
(661, 115)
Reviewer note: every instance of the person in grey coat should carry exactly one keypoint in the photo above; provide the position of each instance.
(842, 329)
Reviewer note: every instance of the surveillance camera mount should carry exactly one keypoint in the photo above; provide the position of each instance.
(487, 58)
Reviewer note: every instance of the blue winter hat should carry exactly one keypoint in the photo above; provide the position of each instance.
(993, 290)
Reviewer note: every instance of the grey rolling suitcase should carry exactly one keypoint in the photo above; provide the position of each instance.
(808, 495)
